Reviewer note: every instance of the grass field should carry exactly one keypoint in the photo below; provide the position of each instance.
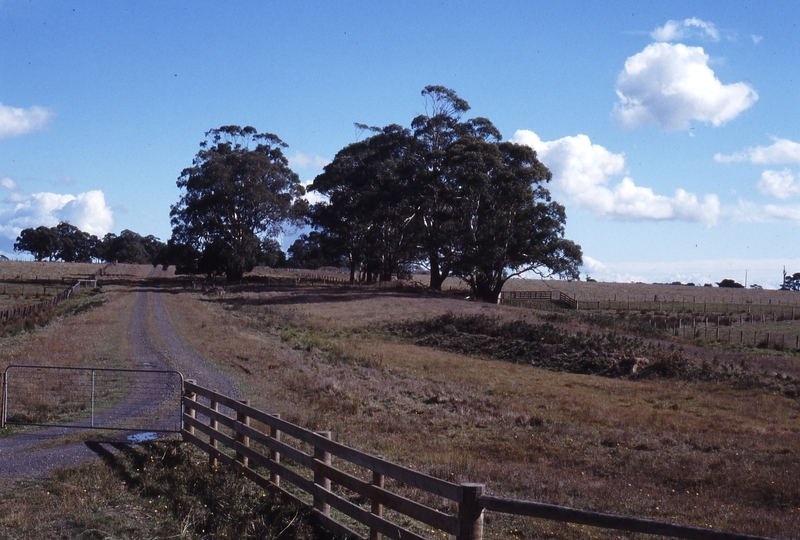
(714, 451)
(702, 453)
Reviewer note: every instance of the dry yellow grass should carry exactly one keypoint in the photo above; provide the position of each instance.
(697, 453)
(44, 270)
(94, 337)
(635, 292)
(694, 453)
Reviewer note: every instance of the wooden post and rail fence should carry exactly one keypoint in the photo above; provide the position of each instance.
(348, 489)
(556, 297)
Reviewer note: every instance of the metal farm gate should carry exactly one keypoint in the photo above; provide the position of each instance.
(93, 398)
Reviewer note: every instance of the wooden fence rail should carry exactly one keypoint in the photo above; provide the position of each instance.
(556, 297)
(254, 443)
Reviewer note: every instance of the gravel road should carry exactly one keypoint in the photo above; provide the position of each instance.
(153, 344)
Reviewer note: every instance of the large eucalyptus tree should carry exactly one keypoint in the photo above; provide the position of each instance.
(238, 191)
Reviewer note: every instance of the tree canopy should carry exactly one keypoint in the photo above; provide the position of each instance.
(68, 243)
(238, 192)
(730, 283)
(41, 242)
(368, 185)
(791, 282)
(446, 193)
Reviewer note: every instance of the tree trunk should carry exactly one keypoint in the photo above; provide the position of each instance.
(436, 275)
(234, 272)
(487, 289)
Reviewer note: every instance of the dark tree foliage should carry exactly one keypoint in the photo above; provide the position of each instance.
(238, 191)
(315, 250)
(41, 242)
(791, 283)
(727, 282)
(508, 223)
(368, 184)
(271, 254)
(184, 257)
(75, 245)
(446, 193)
(130, 247)
(70, 244)
(436, 206)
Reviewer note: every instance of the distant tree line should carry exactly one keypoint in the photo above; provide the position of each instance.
(445, 194)
(67, 243)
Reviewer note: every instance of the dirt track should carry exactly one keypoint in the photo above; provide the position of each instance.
(153, 344)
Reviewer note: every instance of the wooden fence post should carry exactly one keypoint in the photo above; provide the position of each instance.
(192, 413)
(2, 400)
(212, 461)
(242, 418)
(377, 508)
(470, 513)
(274, 455)
(320, 479)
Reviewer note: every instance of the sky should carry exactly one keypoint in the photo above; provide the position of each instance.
(672, 129)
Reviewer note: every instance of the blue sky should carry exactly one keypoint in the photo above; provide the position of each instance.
(672, 128)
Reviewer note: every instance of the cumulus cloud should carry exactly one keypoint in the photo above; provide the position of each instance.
(15, 121)
(780, 184)
(582, 171)
(8, 183)
(677, 30)
(671, 85)
(87, 211)
(593, 265)
(307, 161)
(780, 151)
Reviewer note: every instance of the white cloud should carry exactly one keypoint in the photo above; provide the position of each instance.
(593, 265)
(582, 171)
(774, 212)
(313, 197)
(781, 151)
(8, 183)
(87, 211)
(748, 212)
(780, 184)
(307, 161)
(15, 121)
(671, 85)
(677, 30)
(756, 39)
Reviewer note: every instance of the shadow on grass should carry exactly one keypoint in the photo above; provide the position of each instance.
(218, 503)
(319, 295)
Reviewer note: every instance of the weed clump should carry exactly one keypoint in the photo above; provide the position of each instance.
(541, 345)
(547, 346)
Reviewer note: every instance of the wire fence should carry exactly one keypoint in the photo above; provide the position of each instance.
(119, 399)
(764, 325)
